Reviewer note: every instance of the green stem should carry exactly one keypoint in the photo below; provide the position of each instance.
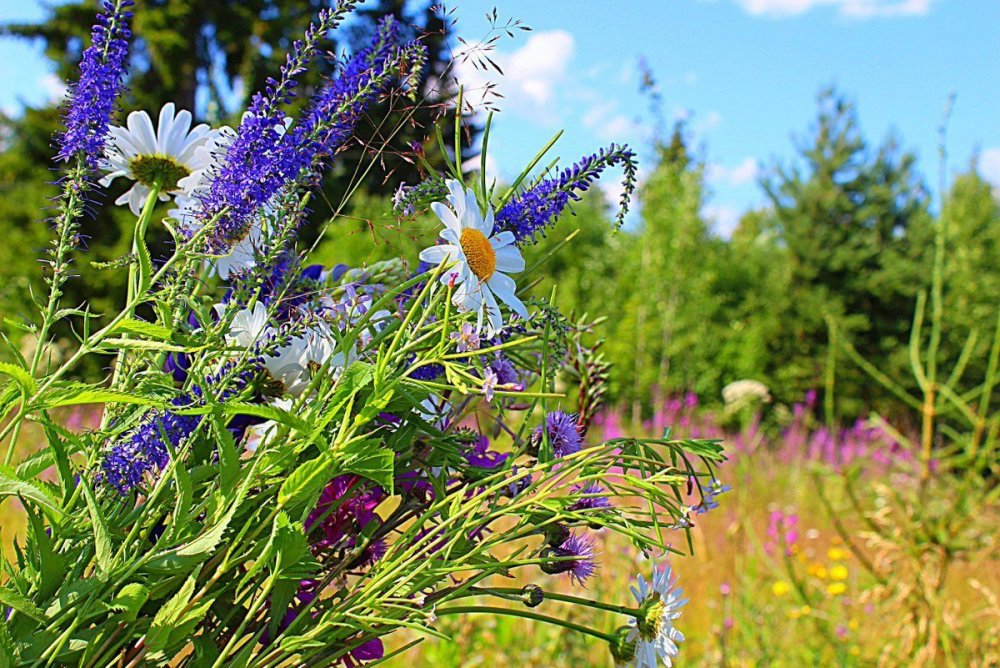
(565, 598)
(485, 609)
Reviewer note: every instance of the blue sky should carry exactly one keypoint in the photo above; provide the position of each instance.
(745, 73)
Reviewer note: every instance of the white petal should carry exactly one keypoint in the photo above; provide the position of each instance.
(486, 224)
(495, 317)
(447, 217)
(509, 259)
(141, 128)
(137, 197)
(174, 142)
(438, 254)
(165, 126)
(504, 288)
(502, 240)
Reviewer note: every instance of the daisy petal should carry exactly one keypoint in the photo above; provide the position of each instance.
(509, 259)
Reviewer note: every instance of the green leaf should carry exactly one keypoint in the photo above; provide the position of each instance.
(142, 328)
(20, 376)
(145, 278)
(368, 460)
(115, 342)
(305, 481)
(51, 564)
(167, 617)
(15, 600)
(229, 459)
(102, 539)
(12, 485)
(267, 412)
(206, 542)
(72, 394)
(130, 600)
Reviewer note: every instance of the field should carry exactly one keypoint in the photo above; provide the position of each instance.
(745, 608)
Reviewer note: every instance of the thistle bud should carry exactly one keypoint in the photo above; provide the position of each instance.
(532, 595)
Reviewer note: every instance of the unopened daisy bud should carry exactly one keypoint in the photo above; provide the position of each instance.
(622, 648)
(532, 595)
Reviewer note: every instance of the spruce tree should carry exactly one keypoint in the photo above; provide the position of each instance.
(855, 225)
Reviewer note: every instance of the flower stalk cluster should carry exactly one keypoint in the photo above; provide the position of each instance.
(295, 460)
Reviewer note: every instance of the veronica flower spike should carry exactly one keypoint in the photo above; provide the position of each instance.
(479, 259)
(149, 156)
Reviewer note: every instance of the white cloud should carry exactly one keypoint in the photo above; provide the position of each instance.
(53, 87)
(607, 124)
(724, 218)
(852, 8)
(531, 73)
(738, 175)
(492, 169)
(989, 165)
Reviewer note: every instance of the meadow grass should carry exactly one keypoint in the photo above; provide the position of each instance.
(745, 609)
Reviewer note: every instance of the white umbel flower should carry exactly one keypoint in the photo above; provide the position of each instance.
(480, 260)
(144, 154)
(653, 631)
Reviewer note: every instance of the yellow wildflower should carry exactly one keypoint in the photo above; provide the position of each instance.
(780, 588)
(837, 554)
(836, 588)
(838, 572)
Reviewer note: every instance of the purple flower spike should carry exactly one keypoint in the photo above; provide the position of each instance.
(535, 209)
(92, 99)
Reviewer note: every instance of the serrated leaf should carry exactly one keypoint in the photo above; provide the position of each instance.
(20, 376)
(229, 459)
(102, 539)
(368, 460)
(206, 542)
(158, 635)
(267, 412)
(17, 601)
(73, 394)
(305, 481)
(51, 564)
(115, 342)
(143, 328)
(12, 485)
(130, 600)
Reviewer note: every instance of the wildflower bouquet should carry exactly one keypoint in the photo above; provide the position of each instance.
(294, 461)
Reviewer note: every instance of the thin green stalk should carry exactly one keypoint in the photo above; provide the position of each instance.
(488, 610)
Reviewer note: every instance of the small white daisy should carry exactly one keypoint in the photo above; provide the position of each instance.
(286, 366)
(653, 631)
(168, 154)
(248, 326)
(480, 259)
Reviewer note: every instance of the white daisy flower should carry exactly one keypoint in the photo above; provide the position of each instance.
(481, 259)
(286, 365)
(653, 631)
(248, 326)
(243, 253)
(168, 153)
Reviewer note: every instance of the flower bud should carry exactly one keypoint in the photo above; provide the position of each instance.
(622, 649)
(532, 595)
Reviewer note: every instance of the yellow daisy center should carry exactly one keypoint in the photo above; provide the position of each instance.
(479, 253)
(147, 169)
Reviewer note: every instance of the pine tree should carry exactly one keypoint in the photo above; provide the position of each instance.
(855, 225)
